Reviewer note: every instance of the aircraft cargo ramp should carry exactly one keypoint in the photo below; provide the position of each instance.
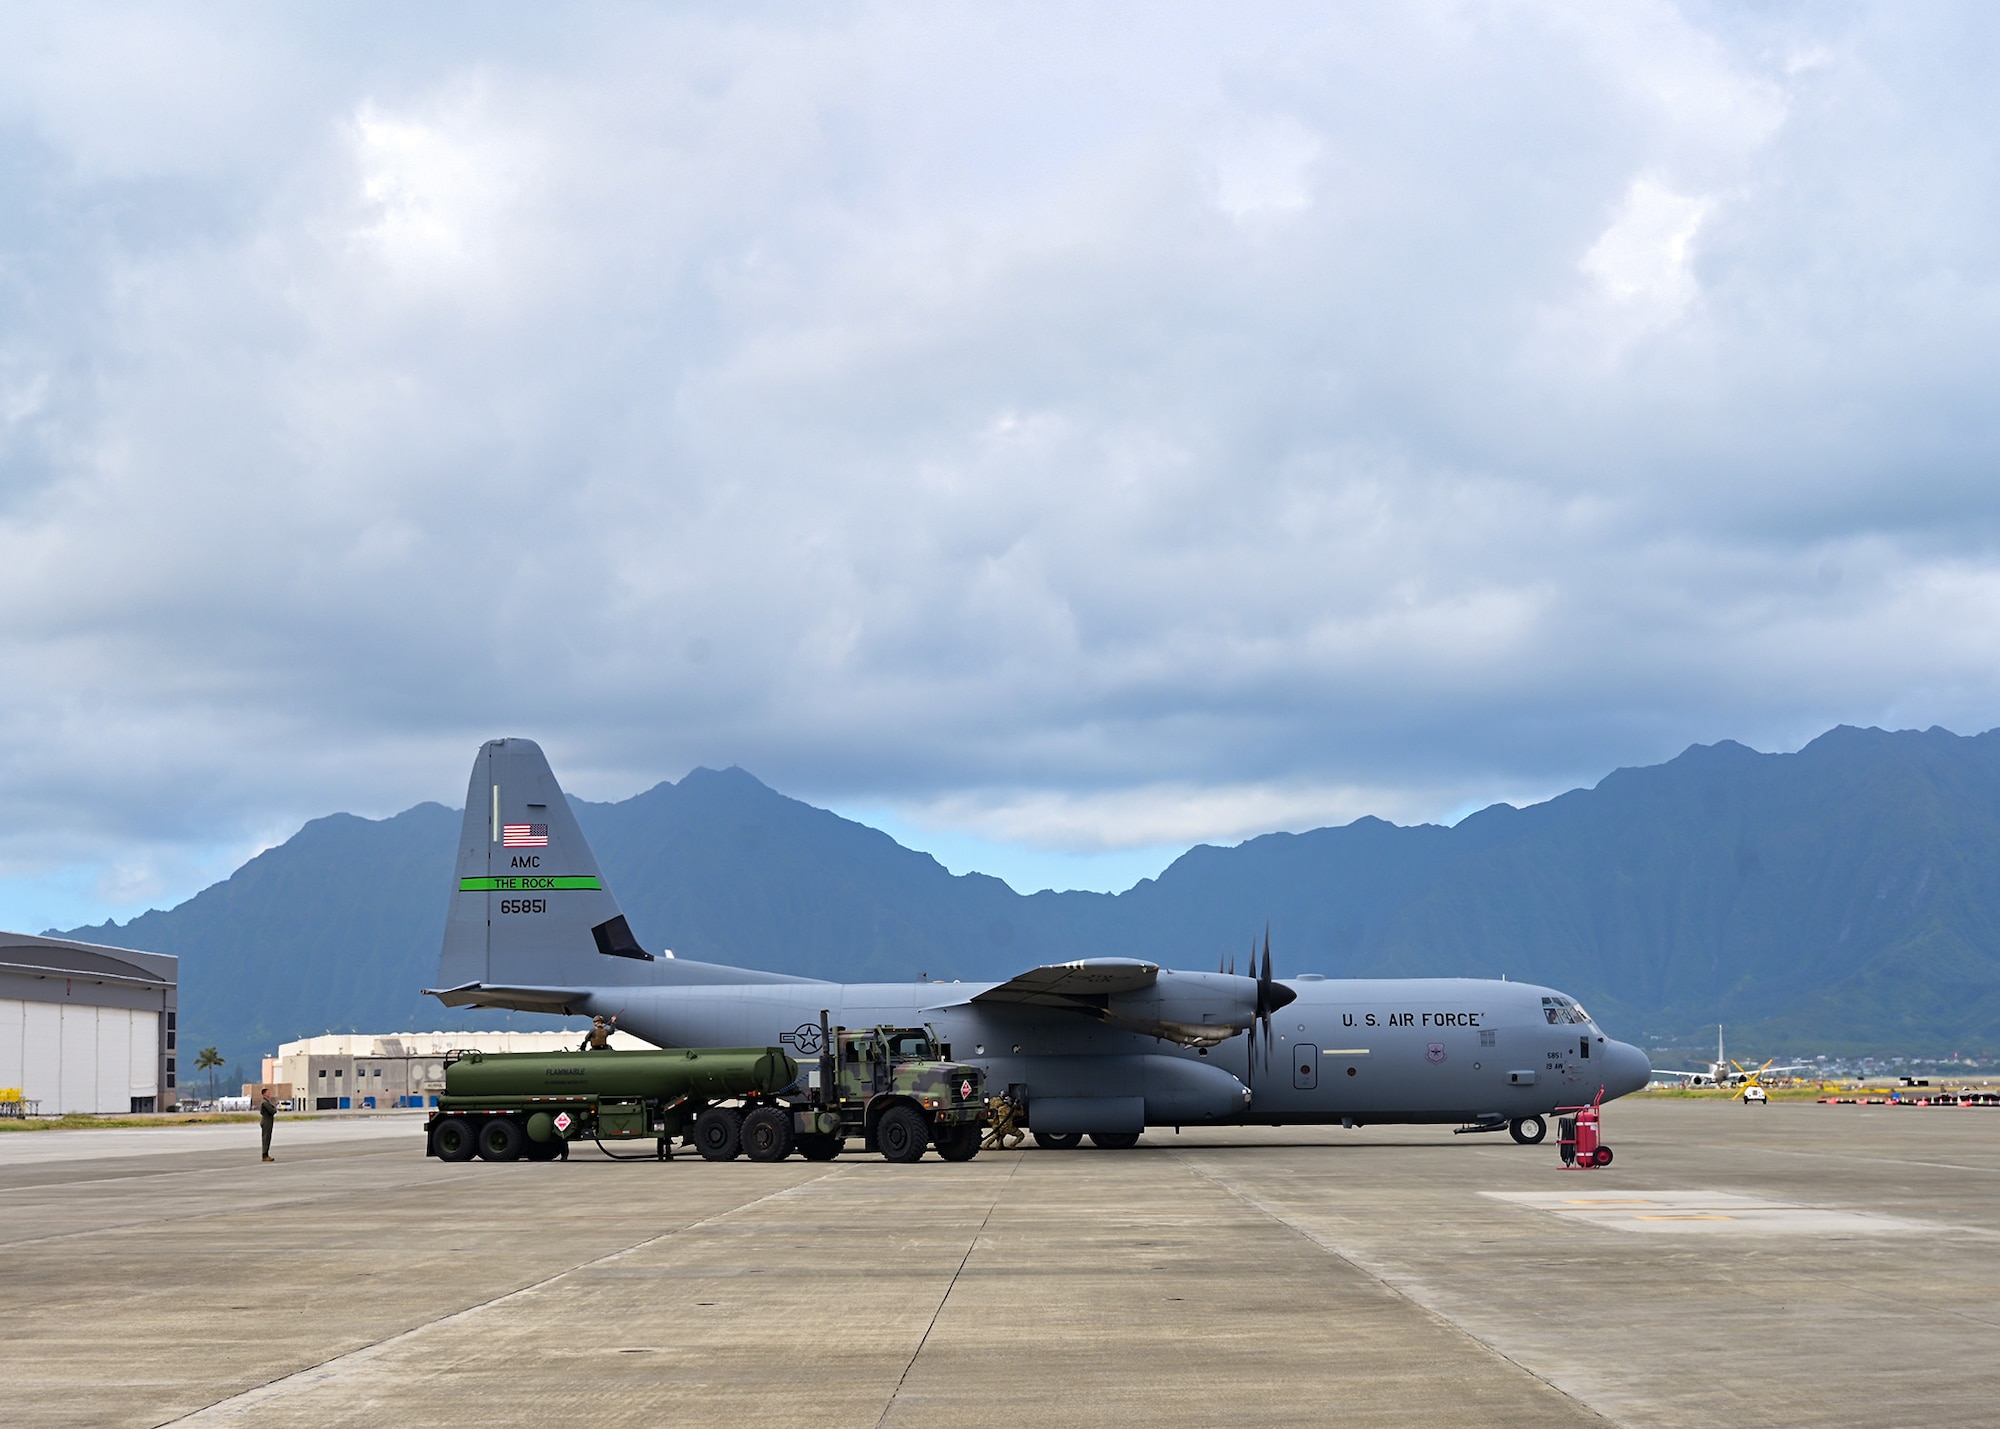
(1796, 1264)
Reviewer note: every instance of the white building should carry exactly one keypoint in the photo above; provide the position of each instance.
(87, 1028)
(350, 1071)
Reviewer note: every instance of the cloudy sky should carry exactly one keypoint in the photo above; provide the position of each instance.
(1058, 434)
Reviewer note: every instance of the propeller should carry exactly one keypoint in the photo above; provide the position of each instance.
(1270, 997)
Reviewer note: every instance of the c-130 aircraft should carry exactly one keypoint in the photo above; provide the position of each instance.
(1099, 1046)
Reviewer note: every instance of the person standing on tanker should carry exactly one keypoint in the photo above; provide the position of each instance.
(598, 1039)
(267, 1112)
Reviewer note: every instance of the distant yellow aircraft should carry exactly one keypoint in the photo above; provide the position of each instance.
(1747, 1078)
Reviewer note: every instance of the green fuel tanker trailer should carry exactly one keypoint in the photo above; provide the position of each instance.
(533, 1104)
(895, 1088)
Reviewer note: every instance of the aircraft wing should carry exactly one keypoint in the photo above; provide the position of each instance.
(1192, 1009)
(520, 999)
(1081, 986)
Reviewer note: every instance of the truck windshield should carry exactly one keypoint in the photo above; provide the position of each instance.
(905, 1043)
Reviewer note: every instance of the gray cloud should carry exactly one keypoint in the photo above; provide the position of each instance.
(1094, 430)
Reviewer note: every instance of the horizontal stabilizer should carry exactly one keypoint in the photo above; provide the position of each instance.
(562, 1000)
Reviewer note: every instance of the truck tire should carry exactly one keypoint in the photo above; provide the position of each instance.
(1528, 1130)
(1115, 1140)
(901, 1134)
(1059, 1141)
(453, 1140)
(500, 1140)
(960, 1143)
(767, 1134)
(718, 1134)
(817, 1146)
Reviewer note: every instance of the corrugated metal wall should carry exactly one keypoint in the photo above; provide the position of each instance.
(75, 1057)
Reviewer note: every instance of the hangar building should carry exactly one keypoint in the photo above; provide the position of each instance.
(87, 1028)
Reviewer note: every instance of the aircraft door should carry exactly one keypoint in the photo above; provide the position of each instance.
(1305, 1066)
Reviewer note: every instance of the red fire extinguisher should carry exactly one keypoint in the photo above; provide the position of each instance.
(1577, 1136)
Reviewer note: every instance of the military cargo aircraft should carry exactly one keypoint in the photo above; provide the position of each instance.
(1099, 1046)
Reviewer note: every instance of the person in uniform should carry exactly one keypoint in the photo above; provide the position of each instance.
(267, 1112)
(598, 1038)
(1005, 1126)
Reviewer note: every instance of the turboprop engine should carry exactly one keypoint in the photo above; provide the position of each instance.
(1202, 1009)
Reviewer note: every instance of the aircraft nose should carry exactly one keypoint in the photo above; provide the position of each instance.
(1627, 1069)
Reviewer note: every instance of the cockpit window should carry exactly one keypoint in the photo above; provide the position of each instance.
(1561, 1010)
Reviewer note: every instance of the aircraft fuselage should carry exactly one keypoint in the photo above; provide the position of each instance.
(1390, 1050)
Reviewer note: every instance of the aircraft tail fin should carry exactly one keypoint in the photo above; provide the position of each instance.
(532, 924)
(528, 901)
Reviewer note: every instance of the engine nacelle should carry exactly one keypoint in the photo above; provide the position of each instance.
(1193, 1009)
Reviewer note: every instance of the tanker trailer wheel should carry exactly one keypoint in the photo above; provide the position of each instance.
(718, 1134)
(818, 1146)
(901, 1134)
(1528, 1130)
(767, 1134)
(500, 1140)
(1059, 1140)
(961, 1142)
(1115, 1140)
(453, 1140)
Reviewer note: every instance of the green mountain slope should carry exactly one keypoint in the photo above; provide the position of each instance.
(1847, 896)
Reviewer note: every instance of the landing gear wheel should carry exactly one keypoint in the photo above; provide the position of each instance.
(961, 1143)
(1602, 1156)
(500, 1140)
(767, 1134)
(817, 1146)
(1059, 1140)
(1528, 1130)
(453, 1140)
(1115, 1140)
(901, 1134)
(718, 1134)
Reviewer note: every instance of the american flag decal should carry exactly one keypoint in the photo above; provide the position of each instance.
(524, 836)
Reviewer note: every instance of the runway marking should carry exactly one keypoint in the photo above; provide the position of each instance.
(226, 1411)
(1844, 1156)
(1708, 1211)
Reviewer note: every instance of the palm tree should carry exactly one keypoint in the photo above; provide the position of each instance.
(207, 1060)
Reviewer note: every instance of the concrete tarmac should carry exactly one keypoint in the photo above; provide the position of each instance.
(1791, 1264)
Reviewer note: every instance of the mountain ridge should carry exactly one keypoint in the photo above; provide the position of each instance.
(1844, 895)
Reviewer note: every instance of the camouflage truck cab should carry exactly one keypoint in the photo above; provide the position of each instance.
(898, 1090)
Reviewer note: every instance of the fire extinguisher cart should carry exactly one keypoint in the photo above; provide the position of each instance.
(1578, 1136)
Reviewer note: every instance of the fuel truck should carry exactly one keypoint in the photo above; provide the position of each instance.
(896, 1089)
